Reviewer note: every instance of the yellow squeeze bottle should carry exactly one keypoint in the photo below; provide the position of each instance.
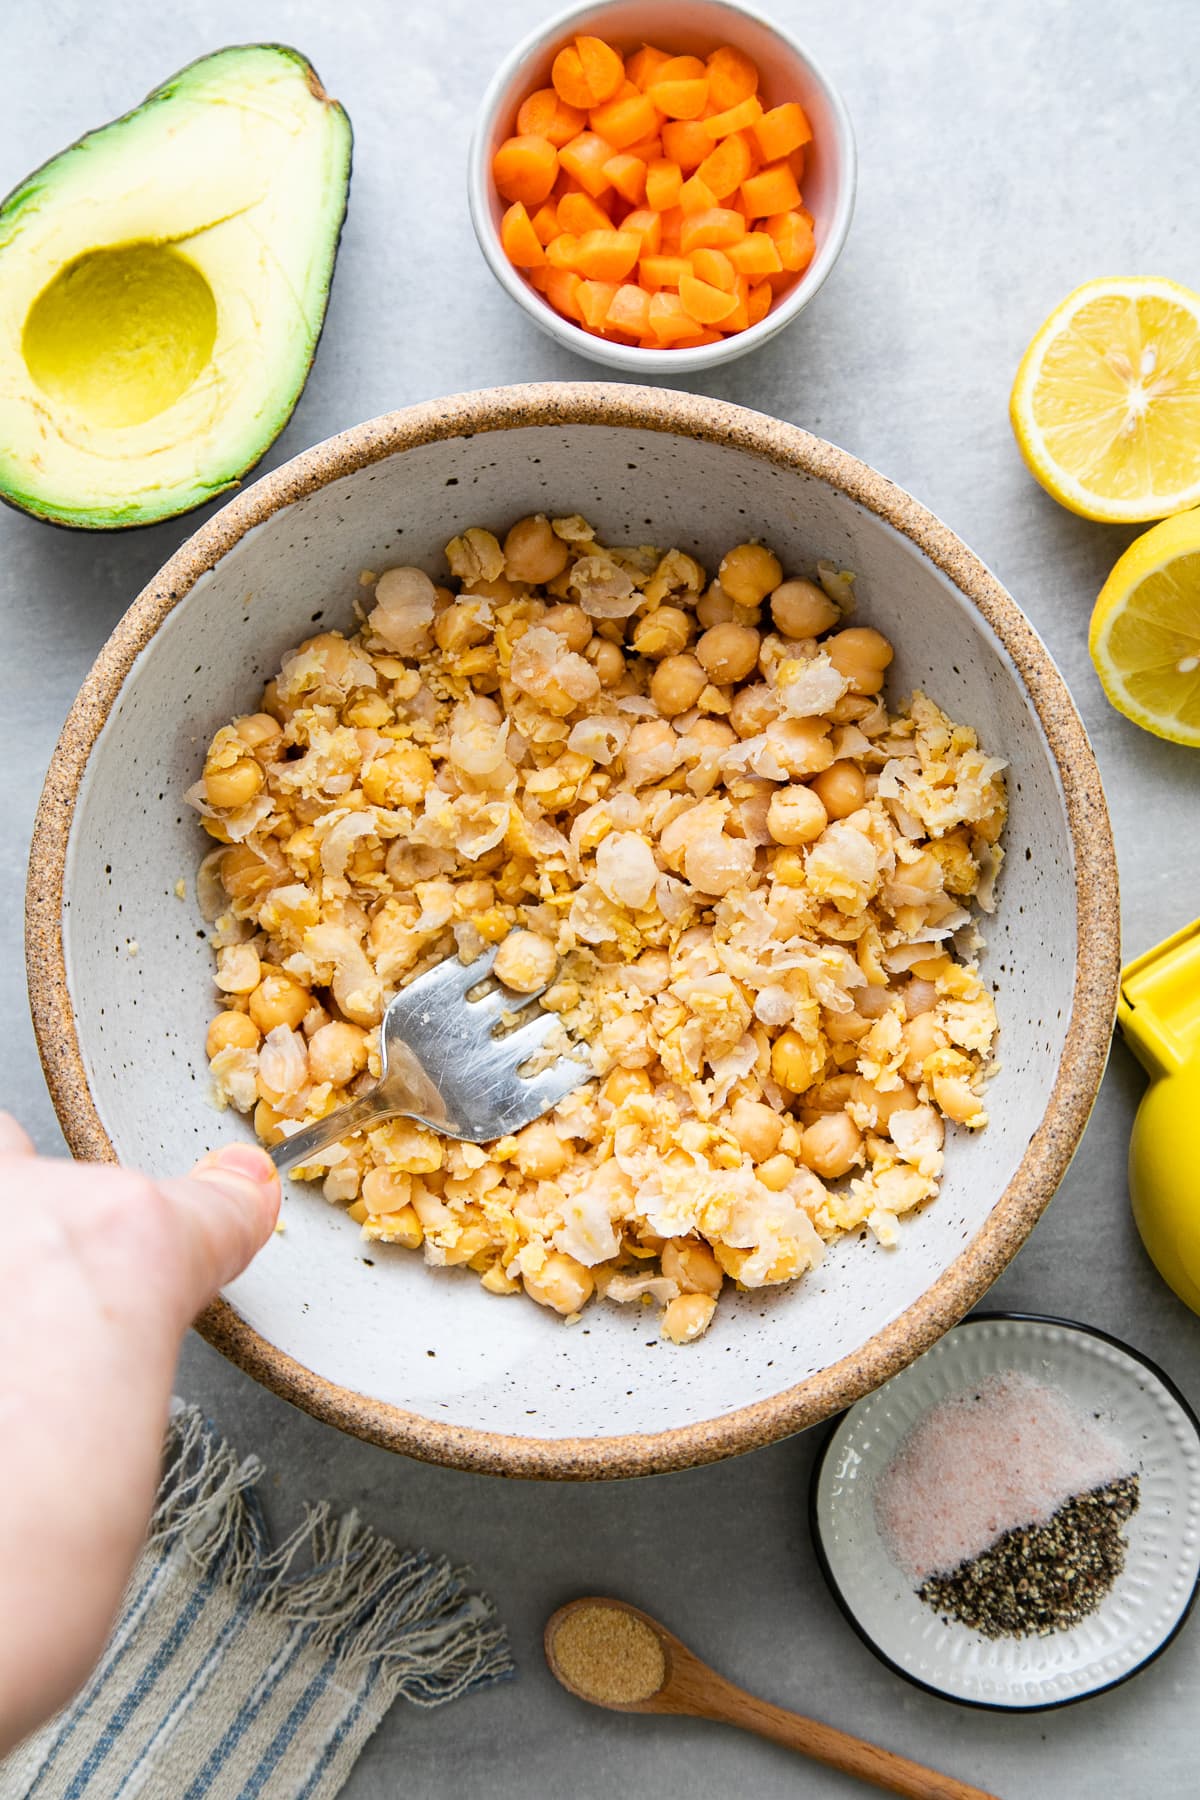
(1158, 1015)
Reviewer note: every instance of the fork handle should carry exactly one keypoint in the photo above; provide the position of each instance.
(302, 1146)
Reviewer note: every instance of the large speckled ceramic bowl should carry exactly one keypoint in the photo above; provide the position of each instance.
(120, 974)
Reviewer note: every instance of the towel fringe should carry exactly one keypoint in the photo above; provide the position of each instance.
(359, 1598)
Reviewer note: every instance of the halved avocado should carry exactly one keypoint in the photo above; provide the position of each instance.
(162, 288)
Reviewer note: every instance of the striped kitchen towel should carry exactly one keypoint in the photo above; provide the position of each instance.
(241, 1671)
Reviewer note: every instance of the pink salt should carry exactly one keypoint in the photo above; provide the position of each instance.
(1007, 1453)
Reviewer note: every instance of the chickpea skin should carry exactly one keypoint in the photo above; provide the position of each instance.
(728, 652)
(534, 552)
(748, 573)
(801, 609)
(676, 685)
(525, 962)
(841, 789)
(831, 1145)
(796, 815)
(231, 1031)
(861, 655)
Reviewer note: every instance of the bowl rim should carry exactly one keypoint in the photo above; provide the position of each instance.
(635, 359)
(1158, 1373)
(1089, 1029)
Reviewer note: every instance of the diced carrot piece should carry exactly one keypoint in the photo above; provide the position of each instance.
(539, 278)
(696, 196)
(680, 99)
(545, 114)
(739, 318)
(716, 268)
(759, 303)
(795, 162)
(623, 122)
(630, 310)
(603, 68)
(648, 149)
(731, 76)
(524, 169)
(663, 182)
(570, 83)
(793, 235)
(545, 222)
(562, 290)
(755, 254)
(773, 191)
(738, 118)
(562, 250)
(648, 226)
(784, 129)
(655, 272)
(726, 167)
(520, 240)
(594, 299)
(628, 176)
(686, 142)
(667, 319)
(703, 302)
(607, 255)
(672, 225)
(578, 213)
(644, 64)
(681, 68)
(584, 159)
(711, 230)
(699, 338)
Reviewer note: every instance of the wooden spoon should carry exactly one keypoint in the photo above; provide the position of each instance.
(691, 1687)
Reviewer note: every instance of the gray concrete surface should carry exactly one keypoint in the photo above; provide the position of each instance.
(1009, 151)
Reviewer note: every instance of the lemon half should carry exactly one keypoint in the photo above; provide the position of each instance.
(1144, 636)
(1106, 403)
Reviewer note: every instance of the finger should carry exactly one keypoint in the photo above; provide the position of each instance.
(225, 1211)
(14, 1139)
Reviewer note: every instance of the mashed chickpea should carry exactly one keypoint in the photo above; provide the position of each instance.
(682, 805)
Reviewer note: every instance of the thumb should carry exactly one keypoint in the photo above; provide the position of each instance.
(225, 1211)
(14, 1140)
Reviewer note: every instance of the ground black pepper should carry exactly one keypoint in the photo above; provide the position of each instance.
(1041, 1578)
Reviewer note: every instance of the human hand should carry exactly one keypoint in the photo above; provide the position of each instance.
(101, 1273)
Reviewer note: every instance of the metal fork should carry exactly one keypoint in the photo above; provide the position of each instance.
(447, 1064)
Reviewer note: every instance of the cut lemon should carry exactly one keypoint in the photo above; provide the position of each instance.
(1106, 403)
(1145, 631)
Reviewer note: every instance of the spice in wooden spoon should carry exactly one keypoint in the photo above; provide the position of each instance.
(612, 1655)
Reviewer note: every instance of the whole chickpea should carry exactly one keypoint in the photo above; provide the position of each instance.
(621, 1083)
(525, 961)
(861, 655)
(801, 609)
(337, 1052)
(676, 684)
(231, 1031)
(753, 709)
(728, 652)
(796, 815)
(795, 1064)
(533, 552)
(692, 1264)
(664, 632)
(687, 1317)
(572, 625)
(831, 1145)
(954, 1095)
(776, 1172)
(561, 1283)
(715, 607)
(841, 789)
(278, 1000)
(258, 730)
(712, 734)
(884, 1101)
(541, 1153)
(757, 1128)
(801, 746)
(748, 573)
(227, 789)
(401, 778)
(922, 1036)
(607, 660)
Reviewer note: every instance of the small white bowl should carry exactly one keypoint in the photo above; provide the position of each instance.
(1150, 1600)
(684, 27)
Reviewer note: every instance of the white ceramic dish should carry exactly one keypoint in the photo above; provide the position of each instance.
(1150, 1600)
(425, 1361)
(685, 27)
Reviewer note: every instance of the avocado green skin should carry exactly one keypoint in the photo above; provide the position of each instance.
(97, 520)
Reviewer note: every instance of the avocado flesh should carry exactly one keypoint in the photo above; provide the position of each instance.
(162, 289)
